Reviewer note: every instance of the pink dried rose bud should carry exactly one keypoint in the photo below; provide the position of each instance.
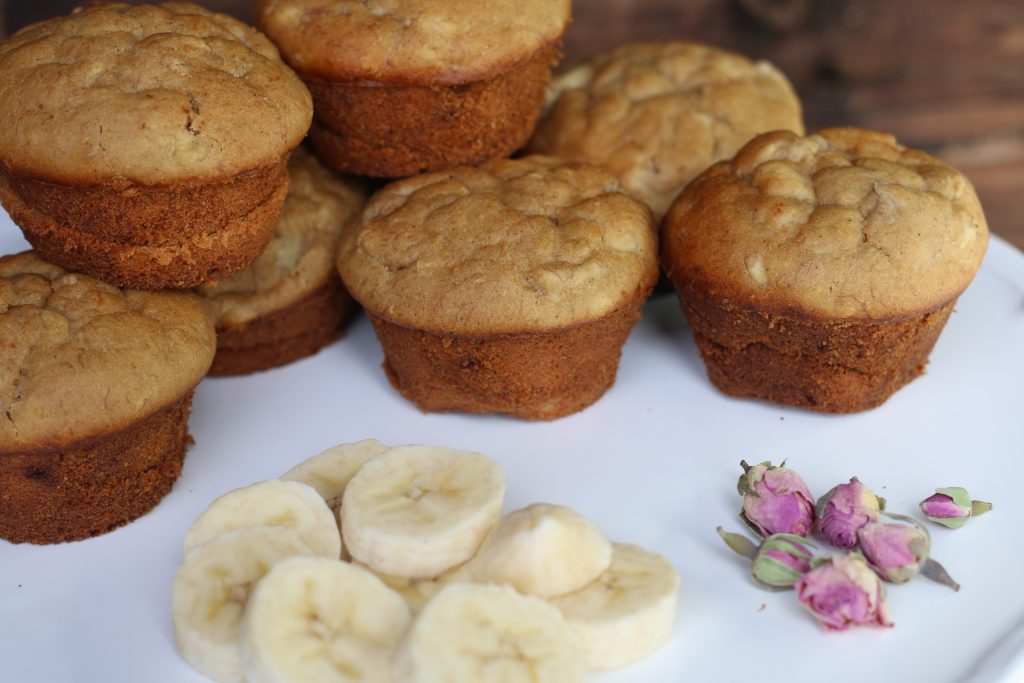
(778, 563)
(842, 591)
(776, 500)
(844, 510)
(899, 552)
(952, 507)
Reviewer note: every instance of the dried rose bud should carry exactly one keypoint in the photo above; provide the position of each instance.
(842, 591)
(952, 507)
(781, 560)
(778, 563)
(844, 510)
(775, 500)
(899, 552)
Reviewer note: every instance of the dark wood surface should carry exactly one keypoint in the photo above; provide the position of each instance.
(946, 76)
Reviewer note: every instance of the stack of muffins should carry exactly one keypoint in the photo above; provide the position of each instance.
(148, 150)
(145, 151)
(494, 285)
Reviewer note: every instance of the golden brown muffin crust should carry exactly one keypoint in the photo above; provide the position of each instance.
(525, 245)
(533, 376)
(90, 489)
(846, 223)
(411, 41)
(283, 336)
(151, 94)
(396, 132)
(150, 237)
(80, 358)
(658, 114)
(301, 255)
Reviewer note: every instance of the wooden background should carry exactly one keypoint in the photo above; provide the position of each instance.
(946, 76)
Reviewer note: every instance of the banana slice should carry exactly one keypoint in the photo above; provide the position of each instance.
(628, 612)
(417, 511)
(418, 592)
(330, 471)
(211, 588)
(487, 633)
(317, 620)
(270, 503)
(543, 550)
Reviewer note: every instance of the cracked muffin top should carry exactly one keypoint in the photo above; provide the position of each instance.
(411, 41)
(151, 94)
(658, 114)
(81, 359)
(523, 245)
(844, 223)
(301, 254)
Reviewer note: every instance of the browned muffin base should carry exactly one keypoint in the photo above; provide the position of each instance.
(90, 489)
(838, 367)
(284, 336)
(149, 237)
(534, 376)
(399, 131)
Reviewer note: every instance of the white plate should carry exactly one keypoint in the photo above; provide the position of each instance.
(654, 462)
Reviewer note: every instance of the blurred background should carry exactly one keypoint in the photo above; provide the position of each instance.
(946, 76)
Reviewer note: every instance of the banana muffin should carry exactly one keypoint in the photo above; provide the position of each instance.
(819, 271)
(147, 145)
(289, 303)
(95, 388)
(421, 85)
(658, 114)
(506, 288)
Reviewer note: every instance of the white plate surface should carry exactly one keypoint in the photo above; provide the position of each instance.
(654, 462)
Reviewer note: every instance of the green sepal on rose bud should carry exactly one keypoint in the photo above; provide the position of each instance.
(778, 563)
(899, 552)
(952, 507)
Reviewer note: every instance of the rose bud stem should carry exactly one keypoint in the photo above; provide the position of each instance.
(740, 544)
(936, 572)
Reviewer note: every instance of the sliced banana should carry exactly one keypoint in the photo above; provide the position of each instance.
(418, 592)
(417, 511)
(330, 471)
(211, 588)
(628, 612)
(318, 620)
(487, 633)
(543, 550)
(270, 503)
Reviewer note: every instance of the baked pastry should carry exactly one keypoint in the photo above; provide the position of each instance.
(421, 85)
(147, 145)
(289, 303)
(95, 388)
(658, 114)
(507, 288)
(819, 271)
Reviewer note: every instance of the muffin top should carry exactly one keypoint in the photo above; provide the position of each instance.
(300, 256)
(658, 114)
(151, 94)
(523, 245)
(81, 358)
(404, 42)
(845, 223)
